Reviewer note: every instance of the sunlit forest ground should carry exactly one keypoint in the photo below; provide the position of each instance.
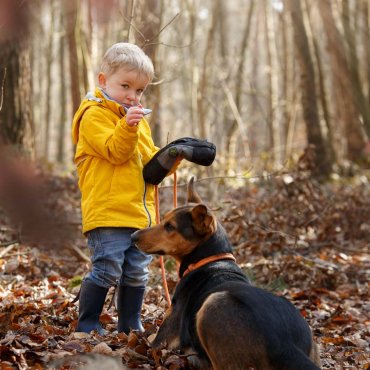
(304, 240)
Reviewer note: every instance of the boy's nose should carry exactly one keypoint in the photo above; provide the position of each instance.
(132, 100)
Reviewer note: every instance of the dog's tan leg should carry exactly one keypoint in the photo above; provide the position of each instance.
(169, 332)
(226, 336)
(315, 354)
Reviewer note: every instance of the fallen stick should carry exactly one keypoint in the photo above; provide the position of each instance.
(8, 249)
(80, 253)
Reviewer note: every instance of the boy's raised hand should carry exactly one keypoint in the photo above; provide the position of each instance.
(134, 115)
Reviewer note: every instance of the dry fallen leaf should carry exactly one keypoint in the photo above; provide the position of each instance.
(102, 348)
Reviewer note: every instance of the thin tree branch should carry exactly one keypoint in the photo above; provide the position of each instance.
(238, 119)
(147, 42)
(241, 176)
(130, 20)
(150, 41)
(131, 24)
(2, 90)
(168, 45)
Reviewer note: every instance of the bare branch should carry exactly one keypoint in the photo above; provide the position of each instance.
(238, 119)
(241, 176)
(131, 24)
(167, 45)
(149, 42)
(2, 90)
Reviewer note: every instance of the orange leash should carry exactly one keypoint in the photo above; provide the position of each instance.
(175, 206)
(161, 262)
(174, 190)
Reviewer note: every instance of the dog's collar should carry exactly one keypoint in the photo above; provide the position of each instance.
(205, 261)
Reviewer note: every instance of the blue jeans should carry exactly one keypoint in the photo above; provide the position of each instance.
(115, 259)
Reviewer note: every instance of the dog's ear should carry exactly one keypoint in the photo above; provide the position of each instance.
(193, 196)
(203, 221)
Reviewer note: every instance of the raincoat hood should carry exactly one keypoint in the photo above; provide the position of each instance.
(91, 99)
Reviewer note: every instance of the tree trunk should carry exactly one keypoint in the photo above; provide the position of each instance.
(194, 71)
(284, 81)
(70, 17)
(358, 94)
(270, 109)
(239, 81)
(366, 42)
(202, 105)
(274, 116)
(322, 90)
(150, 25)
(63, 115)
(347, 104)
(16, 124)
(322, 165)
(49, 61)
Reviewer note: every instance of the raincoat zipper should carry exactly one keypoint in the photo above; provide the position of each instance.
(145, 207)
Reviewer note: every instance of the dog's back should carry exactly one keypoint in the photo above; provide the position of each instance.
(263, 331)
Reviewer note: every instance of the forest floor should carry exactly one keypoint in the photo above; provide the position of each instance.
(306, 241)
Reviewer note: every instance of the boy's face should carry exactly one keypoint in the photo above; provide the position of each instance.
(124, 86)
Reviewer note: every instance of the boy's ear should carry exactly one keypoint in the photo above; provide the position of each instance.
(101, 79)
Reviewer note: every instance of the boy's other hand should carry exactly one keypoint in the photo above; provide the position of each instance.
(134, 115)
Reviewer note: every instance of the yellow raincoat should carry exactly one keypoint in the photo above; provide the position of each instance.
(110, 157)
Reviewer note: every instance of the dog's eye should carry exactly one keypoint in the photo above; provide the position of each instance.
(168, 227)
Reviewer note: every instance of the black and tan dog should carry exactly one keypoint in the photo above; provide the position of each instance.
(215, 311)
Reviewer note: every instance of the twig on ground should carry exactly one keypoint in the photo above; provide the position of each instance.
(81, 254)
(8, 249)
(5, 244)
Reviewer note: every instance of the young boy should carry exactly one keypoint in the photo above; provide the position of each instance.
(113, 145)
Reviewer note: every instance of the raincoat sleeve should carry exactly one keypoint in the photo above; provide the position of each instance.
(102, 138)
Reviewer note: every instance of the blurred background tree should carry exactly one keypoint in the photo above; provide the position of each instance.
(261, 79)
(16, 114)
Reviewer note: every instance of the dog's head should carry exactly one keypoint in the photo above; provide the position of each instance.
(181, 229)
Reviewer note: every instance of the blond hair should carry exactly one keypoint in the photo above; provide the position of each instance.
(126, 55)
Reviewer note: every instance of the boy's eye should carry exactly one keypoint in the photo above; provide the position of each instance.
(125, 86)
(139, 92)
(168, 227)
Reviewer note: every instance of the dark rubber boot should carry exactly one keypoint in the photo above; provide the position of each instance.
(129, 302)
(92, 298)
